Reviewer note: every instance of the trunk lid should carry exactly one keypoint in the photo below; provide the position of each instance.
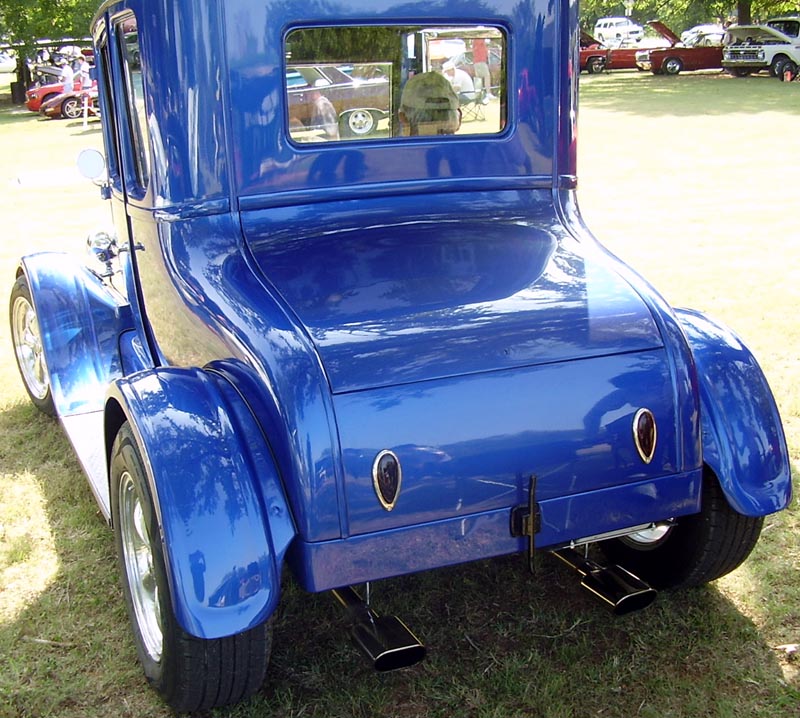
(409, 302)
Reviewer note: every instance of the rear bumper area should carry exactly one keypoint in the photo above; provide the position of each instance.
(369, 557)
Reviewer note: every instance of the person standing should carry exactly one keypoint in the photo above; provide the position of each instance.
(480, 61)
(323, 116)
(84, 74)
(67, 77)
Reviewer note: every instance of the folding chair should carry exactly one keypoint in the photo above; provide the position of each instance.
(471, 103)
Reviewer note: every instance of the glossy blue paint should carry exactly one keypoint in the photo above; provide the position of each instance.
(224, 519)
(268, 166)
(80, 320)
(294, 310)
(394, 295)
(327, 564)
(743, 439)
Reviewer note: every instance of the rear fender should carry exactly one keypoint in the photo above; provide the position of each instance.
(743, 439)
(225, 523)
(80, 321)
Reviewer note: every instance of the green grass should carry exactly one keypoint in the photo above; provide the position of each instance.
(692, 180)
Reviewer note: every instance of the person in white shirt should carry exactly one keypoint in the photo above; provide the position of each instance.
(460, 81)
(67, 76)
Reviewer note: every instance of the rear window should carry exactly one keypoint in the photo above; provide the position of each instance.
(379, 82)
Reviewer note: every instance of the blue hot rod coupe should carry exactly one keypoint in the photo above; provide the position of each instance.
(373, 337)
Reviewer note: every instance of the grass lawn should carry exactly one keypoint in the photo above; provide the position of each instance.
(692, 180)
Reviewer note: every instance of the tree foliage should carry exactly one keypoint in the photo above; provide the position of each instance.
(682, 14)
(23, 22)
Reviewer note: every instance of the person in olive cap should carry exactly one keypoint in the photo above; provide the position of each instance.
(429, 106)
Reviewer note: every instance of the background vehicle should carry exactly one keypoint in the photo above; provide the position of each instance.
(40, 94)
(361, 103)
(593, 55)
(615, 31)
(702, 51)
(705, 29)
(69, 105)
(753, 48)
(374, 356)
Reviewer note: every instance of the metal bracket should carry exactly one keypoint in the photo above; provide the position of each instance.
(526, 520)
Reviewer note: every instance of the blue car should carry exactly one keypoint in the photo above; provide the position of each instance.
(355, 356)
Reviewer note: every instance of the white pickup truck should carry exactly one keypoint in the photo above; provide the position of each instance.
(774, 46)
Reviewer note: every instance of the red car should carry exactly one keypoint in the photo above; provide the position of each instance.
(69, 105)
(594, 54)
(702, 52)
(36, 96)
(596, 57)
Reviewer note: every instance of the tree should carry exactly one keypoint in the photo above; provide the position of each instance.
(22, 23)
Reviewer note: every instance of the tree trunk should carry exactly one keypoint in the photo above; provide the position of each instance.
(743, 14)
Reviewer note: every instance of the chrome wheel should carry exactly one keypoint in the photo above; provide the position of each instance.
(360, 122)
(648, 537)
(137, 556)
(28, 347)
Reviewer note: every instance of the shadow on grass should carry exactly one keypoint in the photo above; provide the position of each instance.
(689, 94)
(68, 652)
(501, 642)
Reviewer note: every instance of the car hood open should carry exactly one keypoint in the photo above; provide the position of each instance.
(664, 31)
(400, 303)
(755, 34)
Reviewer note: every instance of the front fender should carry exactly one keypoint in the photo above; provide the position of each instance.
(743, 439)
(80, 320)
(224, 519)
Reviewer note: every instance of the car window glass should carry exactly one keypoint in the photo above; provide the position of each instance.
(380, 82)
(104, 80)
(128, 40)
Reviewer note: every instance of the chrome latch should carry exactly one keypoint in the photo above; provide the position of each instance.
(526, 520)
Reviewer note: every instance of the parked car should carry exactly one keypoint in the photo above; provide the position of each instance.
(703, 51)
(360, 102)
(593, 54)
(355, 360)
(8, 62)
(70, 105)
(773, 47)
(704, 29)
(38, 95)
(616, 31)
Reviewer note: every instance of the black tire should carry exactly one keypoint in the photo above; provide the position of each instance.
(28, 350)
(72, 108)
(672, 66)
(698, 549)
(776, 66)
(595, 65)
(190, 674)
(790, 68)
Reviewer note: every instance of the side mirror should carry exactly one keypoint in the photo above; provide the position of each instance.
(92, 165)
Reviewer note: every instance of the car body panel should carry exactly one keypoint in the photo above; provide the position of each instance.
(293, 310)
(742, 433)
(756, 47)
(704, 53)
(223, 554)
(35, 96)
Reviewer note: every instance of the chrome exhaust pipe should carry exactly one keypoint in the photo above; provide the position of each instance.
(616, 587)
(385, 640)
